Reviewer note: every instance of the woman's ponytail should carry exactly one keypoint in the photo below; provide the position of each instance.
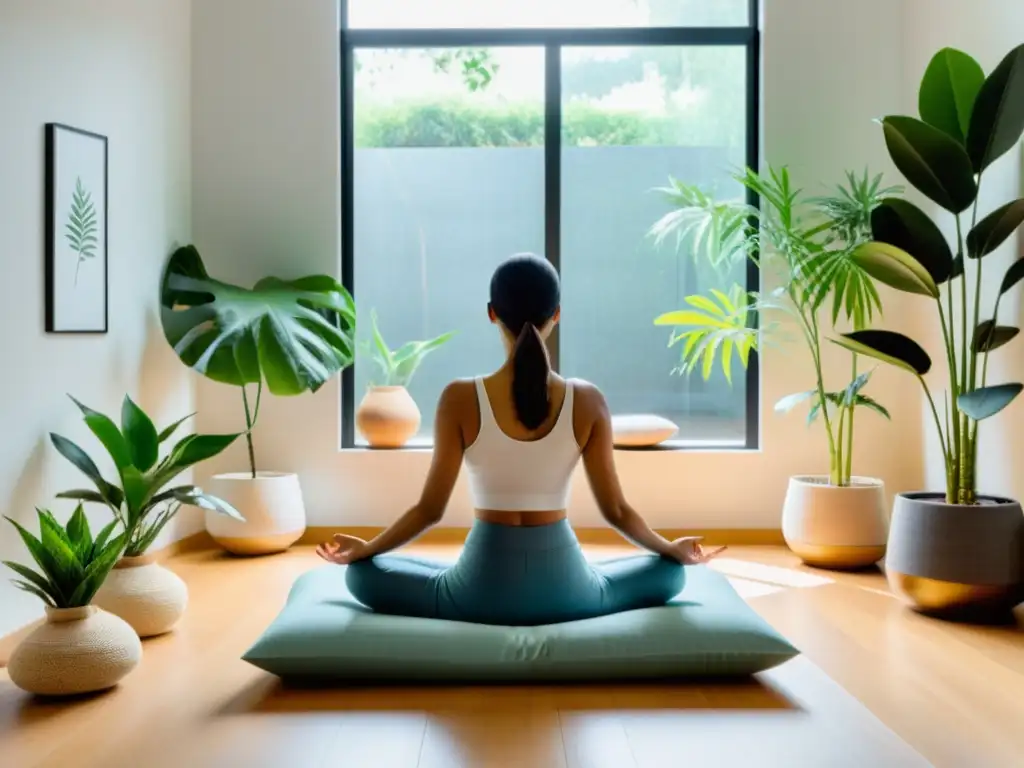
(530, 378)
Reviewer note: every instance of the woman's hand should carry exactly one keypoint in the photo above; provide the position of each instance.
(343, 550)
(688, 551)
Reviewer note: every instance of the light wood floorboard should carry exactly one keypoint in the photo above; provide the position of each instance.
(876, 686)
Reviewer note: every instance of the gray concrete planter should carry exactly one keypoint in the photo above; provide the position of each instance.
(956, 561)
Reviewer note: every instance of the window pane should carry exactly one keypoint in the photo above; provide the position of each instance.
(483, 14)
(632, 118)
(449, 181)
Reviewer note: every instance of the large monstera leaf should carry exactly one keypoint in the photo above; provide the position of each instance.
(293, 334)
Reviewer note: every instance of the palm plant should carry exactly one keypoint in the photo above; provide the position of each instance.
(967, 121)
(811, 240)
(397, 367)
(142, 504)
(72, 564)
(293, 334)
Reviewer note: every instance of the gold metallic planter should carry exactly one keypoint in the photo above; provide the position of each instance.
(956, 561)
(835, 527)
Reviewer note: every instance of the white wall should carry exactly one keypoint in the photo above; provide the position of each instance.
(266, 201)
(120, 68)
(987, 30)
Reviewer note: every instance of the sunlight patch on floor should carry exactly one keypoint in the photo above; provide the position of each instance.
(769, 574)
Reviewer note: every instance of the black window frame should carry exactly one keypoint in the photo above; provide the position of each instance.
(552, 40)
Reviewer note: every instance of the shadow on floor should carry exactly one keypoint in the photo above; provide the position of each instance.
(269, 695)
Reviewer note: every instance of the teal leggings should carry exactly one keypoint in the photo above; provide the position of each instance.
(514, 576)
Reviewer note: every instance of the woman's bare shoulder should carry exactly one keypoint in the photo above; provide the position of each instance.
(588, 395)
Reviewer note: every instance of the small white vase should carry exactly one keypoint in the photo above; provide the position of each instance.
(148, 596)
(837, 527)
(271, 503)
(77, 650)
(387, 417)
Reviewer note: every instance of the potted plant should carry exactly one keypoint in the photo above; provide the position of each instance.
(148, 596)
(294, 335)
(955, 552)
(836, 520)
(78, 649)
(388, 416)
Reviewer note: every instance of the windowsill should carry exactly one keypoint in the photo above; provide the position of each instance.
(426, 445)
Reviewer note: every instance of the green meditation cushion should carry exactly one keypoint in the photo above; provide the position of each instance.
(708, 630)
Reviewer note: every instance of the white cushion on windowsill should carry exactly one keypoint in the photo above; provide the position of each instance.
(641, 430)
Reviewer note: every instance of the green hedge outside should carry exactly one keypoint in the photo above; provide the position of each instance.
(458, 124)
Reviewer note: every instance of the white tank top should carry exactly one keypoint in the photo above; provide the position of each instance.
(506, 474)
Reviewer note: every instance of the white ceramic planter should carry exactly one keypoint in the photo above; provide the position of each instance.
(148, 596)
(77, 650)
(835, 527)
(271, 503)
(387, 417)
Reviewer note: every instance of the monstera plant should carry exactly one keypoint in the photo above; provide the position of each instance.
(967, 121)
(291, 336)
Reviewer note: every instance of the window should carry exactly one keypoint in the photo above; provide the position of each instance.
(472, 131)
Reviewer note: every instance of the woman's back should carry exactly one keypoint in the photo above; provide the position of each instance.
(512, 469)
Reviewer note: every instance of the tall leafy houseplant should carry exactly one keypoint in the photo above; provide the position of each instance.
(292, 336)
(966, 122)
(388, 416)
(810, 241)
(78, 649)
(836, 521)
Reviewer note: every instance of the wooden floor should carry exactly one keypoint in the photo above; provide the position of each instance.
(877, 686)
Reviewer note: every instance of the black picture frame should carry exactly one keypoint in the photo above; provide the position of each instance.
(86, 235)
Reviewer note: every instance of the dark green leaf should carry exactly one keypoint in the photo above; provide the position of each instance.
(101, 539)
(168, 431)
(1013, 276)
(79, 534)
(40, 581)
(896, 268)
(96, 573)
(992, 231)
(849, 395)
(997, 121)
(108, 434)
(958, 267)
(194, 449)
(38, 551)
(889, 347)
(948, 90)
(140, 434)
(303, 329)
(137, 489)
(81, 459)
(874, 405)
(33, 589)
(83, 495)
(988, 401)
(989, 336)
(171, 493)
(68, 568)
(932, 162)
(904, 225)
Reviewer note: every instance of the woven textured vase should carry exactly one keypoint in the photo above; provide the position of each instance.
(148, 596)
(77, 650)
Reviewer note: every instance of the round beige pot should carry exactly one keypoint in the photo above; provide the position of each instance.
(77, 650)
(271, 503)
(387, 417)
(837, 527)
(145, 594)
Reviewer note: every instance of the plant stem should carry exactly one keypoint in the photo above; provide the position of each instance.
(950, 487)
(849, 431)
(248, 433)
(951, 452)
(814, 342)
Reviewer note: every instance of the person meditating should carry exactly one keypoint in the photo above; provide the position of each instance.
(520, 432)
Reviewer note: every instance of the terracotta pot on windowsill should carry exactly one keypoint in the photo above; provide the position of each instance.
(387, 417)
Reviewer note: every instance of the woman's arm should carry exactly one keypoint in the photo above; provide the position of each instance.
(599, 462)
(444, 471)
